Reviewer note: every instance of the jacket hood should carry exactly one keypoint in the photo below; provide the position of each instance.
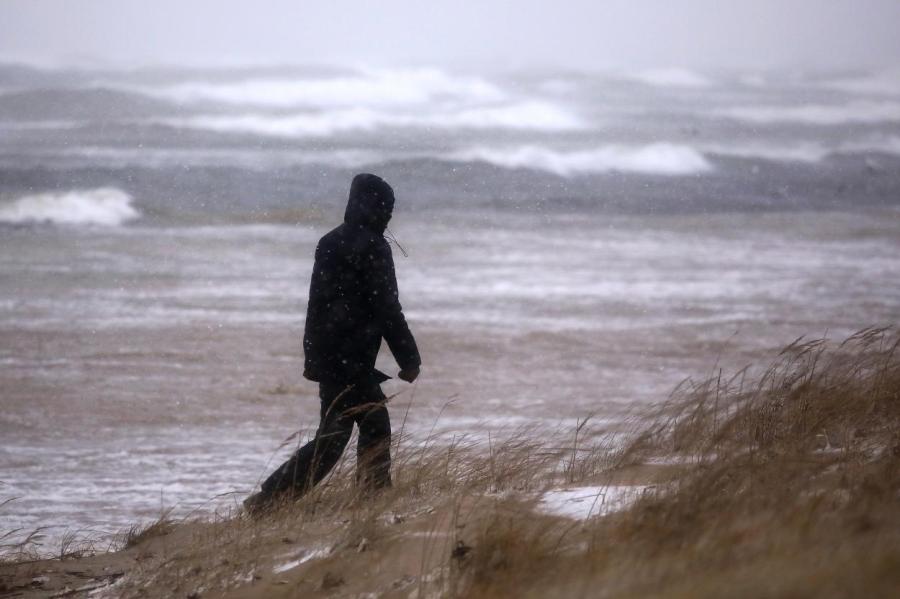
(371, 203)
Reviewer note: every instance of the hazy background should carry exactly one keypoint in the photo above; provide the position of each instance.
(494, 34)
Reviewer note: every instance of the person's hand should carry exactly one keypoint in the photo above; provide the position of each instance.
(408, 374)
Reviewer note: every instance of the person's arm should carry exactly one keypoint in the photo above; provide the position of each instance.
(385, 297)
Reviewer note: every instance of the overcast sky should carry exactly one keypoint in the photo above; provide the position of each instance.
(583, 34)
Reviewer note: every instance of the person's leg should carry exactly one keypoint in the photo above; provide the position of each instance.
(373, 461)
(312, 462)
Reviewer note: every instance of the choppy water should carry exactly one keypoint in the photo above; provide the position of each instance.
(273, 144)
(143, 367)
(578, 244)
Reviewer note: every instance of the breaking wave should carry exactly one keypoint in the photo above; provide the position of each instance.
(655, 159)
(806, 151)
(105, 206)
(817, 114)
(885, 145)
(528, 115)
(400, 87)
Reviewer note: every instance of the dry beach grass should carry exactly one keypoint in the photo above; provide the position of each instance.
(790, 489)
(782, 482)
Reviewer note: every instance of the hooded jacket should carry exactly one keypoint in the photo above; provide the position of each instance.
(353, 297)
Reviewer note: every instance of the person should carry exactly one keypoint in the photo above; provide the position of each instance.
(353, 305)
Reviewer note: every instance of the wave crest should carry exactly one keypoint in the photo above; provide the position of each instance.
(653, 159)
(106, 206)
(529, 115)
(382, 88)
(817, 114)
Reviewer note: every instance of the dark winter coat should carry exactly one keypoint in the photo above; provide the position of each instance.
(353, 299)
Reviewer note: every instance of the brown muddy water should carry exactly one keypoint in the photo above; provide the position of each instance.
(147, 367)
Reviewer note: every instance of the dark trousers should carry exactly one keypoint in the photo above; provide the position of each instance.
(342, 406)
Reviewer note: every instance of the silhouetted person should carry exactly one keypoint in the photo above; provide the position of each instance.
(353, 305)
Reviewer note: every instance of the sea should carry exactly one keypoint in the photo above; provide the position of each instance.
(568, 244)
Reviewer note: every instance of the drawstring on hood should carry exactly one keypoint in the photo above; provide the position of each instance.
(389, 235)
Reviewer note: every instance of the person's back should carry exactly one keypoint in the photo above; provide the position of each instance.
(353, 298)
(353, 304)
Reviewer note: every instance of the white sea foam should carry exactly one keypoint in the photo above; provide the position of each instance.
(657, 158)
(104, 206)
(527, 115)
(817, 114)
(297, 125)
(533, 115)
(886, 145)
(809, 152)
(383, 88)
(805, 151)
(672, 77)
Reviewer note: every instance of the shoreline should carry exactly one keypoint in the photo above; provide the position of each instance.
(788, 480)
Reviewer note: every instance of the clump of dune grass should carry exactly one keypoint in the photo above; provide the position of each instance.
(790, 487)
(140, 533)
(18, 544)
